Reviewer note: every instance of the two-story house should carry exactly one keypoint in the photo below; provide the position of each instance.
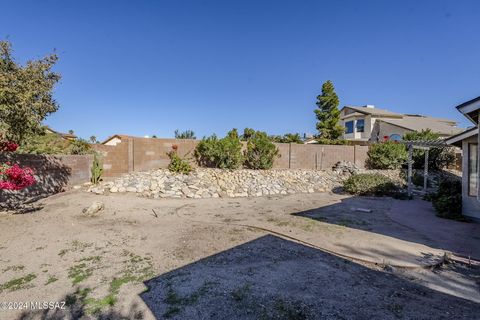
(370, 124)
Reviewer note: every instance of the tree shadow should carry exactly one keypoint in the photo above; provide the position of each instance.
(274, 278)
(52, 177)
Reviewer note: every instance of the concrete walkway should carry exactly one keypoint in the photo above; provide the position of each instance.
(461, 238)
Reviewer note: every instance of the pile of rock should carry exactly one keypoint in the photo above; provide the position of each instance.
(345, 167)
(214, 183)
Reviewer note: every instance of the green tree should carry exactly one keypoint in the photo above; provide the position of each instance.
(438, 158)
(187, 134)
(328, 114)
(93, 139)
(26, 94)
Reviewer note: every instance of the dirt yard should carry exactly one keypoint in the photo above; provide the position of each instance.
(303, 256)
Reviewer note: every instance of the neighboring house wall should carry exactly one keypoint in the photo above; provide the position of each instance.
(113, 141)
(387, 130)
(470, 204)
(356, 134)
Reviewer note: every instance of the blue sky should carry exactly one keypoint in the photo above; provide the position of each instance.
(150, 67)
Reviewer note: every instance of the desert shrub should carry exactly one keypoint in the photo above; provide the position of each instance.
(387, 155)
(447, 201)
(438, 158)
(260, 152)
(333, 142)
(178, 164)
(96, 170)
(225, 153)
(79, 146)
(370, 184)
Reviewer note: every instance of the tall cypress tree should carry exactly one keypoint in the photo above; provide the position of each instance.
(328, 114)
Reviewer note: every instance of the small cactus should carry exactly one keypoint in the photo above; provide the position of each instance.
(97, 170)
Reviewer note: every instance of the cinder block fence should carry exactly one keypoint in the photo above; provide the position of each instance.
(142, 154)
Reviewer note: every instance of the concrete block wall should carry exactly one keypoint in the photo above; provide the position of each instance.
(142, 154)
(53, 174)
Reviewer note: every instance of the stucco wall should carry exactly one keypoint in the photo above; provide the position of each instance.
(471, 206)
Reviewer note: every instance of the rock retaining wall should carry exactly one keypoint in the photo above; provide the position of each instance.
(214, 183)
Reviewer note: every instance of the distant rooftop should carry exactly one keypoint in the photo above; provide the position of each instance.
(415, 122)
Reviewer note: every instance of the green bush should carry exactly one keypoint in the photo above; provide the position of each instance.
(370, 184)
(333, 142)
(387, 155)
(225, 153)
(447, 201)
(438, 158)
(177, 164)
(260, 152)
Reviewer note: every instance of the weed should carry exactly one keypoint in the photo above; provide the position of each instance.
(14, 268)
(18, 283)
(62, 252)
(241, 293)
(51, 279)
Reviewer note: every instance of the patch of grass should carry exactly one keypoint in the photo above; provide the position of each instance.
(396, 309)
(76, 246)
(177, 303)
(14, 268)
(291, 311)
(94, 306)
(241, 293)
(51, 279)
(309, 226)
(136, 270)
(18, 283)
(83, 270)
(79, 272)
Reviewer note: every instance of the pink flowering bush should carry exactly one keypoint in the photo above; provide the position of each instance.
(8, 146)
(13, 177)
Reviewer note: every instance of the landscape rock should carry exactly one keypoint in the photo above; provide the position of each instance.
(95, 207)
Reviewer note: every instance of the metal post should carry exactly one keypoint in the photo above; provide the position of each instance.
(410, 162)
(425, 173)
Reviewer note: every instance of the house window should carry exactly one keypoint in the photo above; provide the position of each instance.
(349, 127)
(360, 125)
(472, 168)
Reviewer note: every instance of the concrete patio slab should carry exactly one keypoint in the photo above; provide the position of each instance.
(461, 238)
